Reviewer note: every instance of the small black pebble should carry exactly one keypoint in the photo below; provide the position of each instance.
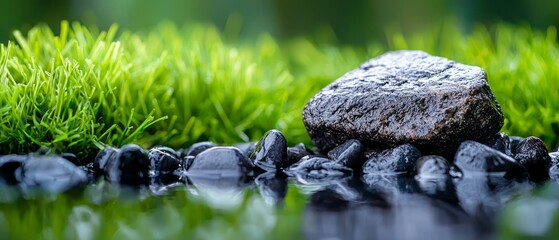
(270, 153)
(349, 154)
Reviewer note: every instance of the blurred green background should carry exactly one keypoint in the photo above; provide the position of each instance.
(347, 22)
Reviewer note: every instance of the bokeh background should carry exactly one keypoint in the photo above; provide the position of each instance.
(346, 22)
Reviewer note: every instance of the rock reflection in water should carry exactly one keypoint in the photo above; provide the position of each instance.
(224, 192)
(273, 187)
(401, 207)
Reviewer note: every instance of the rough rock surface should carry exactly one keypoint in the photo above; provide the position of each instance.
(405, 97)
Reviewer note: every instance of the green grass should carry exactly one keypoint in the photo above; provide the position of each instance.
(84, 88)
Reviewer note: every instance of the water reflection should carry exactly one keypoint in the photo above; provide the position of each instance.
(365, 207)
(225, 192)
(402, 207)
(273, 187)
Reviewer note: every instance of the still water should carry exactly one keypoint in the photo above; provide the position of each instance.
(277, 207)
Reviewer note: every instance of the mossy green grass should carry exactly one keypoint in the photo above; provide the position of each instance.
(83, 88)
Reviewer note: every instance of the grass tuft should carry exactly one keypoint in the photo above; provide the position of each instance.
(82, 89)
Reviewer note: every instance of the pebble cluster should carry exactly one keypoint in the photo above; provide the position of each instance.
(503, 156)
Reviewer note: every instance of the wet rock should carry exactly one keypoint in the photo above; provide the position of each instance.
(220, 161)
(51, 173)
(71, 157)
(102, 158)
(349, 154)
(129, 166)
(405, 97)
(167, 150)
(313, 169)
(295, 153)
(500, 142)
(432, 166)
(187, 162)
(554, 156)
(246, 148)
(476, 157)
(401, 159)
(272, 186)
(197, 148)
(8, 166)
(533, 155)
(514, 142)
(270, 153)
(163, 161)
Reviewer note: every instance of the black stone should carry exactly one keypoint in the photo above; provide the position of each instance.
(514, 142)
(129, 166)
(163, 161)
(187, 162)
(349, 154)
(533, 155)
(103, 157)
(197, 148)
(405, 97)
(51, 173)
(71, 157)
(221, 161)
(476, 157)
(401, 159)
(500, 142)
(318, 168)
(8, 166)
(167, 150)
(295, 153)
(270, 153)
(432, 166)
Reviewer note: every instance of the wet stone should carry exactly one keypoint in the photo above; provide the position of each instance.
(514, 142)
(316, 168)
(349, 154)
(405, 97)
(432, 166)
(270, 153)
(51, 173)
(197, 148)
(167, 150)
(533, 155)
(295, 153)
(554, 156)
(187, 162)
(500, 142)
(401, 159)
(163, 161)
(129, 166)
(71, 157)
(102, 158)
(8, 166)
(476, 157)
(220, 161)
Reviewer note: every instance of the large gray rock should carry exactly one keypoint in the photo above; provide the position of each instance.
(405, 97)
